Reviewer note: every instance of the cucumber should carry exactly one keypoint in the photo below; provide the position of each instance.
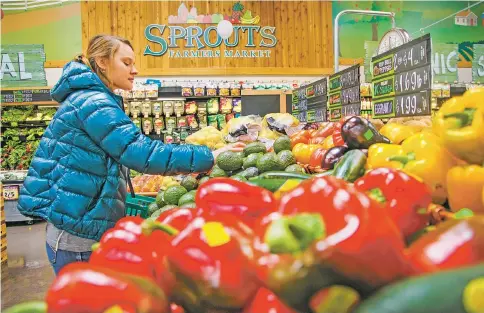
(451, 291)
(351, 166)
(285, 175)
(272, 184)
(327, 173)
(28, 307)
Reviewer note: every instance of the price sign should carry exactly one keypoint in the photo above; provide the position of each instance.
(402, 80)
(307, 99)
(344, 93)
(26, 95)
(10, 192)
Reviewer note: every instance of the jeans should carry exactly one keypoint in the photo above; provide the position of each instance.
(60, 258)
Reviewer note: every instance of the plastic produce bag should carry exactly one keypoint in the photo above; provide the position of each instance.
(275, 125)
(244, 128)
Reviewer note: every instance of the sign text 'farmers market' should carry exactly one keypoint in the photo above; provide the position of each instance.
(169, 38)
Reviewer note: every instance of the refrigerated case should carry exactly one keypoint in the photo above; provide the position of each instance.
(11, 184)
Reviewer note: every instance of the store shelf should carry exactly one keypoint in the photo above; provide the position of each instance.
(210, 97)
(40, 103)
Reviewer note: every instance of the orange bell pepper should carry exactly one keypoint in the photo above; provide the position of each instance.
(299, 138)
(302, 152)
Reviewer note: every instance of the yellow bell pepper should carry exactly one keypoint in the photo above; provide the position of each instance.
(422, 156)
(290, 184)
(460, 124)
(397, 132)
(328, 143)
(302, 152)
(466, 188)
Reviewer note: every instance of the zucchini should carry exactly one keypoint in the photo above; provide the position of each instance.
(351, 166)
(28, 307)
(452, 291)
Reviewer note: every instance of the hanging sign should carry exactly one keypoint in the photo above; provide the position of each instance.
(24, 95)
(309, 102)
(344, 93)
(444, 62)
(402, 80)
(169, 37)
(22, 66)
(478, 64)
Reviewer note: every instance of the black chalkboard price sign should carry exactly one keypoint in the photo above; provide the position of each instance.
(344, 93)
(402, 80)
(309, 102)
(29, 96)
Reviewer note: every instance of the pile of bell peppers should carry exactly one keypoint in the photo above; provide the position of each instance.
(324, 246)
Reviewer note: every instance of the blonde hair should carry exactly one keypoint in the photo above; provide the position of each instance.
(104, 46)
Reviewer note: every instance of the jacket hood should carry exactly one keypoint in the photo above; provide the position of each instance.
(76, 76)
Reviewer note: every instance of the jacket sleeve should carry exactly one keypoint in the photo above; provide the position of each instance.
(109, 127)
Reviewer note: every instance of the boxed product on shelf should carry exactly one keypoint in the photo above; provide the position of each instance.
(229, 116)
(168, 138)
(202, 120)
(187, 91)
(224, 89)
(126, 107)
(170, 122)
(192, 121)
(135, 108)
(179, 107)
(212, 106)
(157, 108)
(235, 90)
(212, 121)
(199, 90)
(182, 121)
(226, 105)
(237, 105)
(221, 121)
(146, 108)
(202, 108)
(211, 90)
(159, 125)
(139, 93)
(151, 91)
(168, 108)
(147, 125)
(137, 122)
(190, 107)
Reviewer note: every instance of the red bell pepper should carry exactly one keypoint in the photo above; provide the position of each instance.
(325, 131)
(299, 138)
(317, 157)
(267, 302)
(245, 201)
(210, 264)
(405, 198)
(316, 140)
(361, 244)
(337, 135)
(139, 252)
(85, 288)
(452, 244)
(176, 308)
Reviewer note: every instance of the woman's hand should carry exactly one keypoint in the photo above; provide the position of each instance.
(234, 147)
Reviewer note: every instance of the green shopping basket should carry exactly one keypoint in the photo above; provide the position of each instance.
(138, 206)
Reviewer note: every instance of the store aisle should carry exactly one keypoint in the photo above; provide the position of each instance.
(29, 273)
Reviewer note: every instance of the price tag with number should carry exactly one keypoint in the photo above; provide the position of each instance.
(10, 192)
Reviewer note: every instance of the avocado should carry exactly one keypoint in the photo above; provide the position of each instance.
(163, 209)
(269, 162)
(230, 161)
(239, 178)
(251, 160)
(203, 180)
(160, 200)
(286, 158)
(187, 198)
(173, 194)
(189, 182)
(282, 143)
(255, 147)
(189, 205)
(249, 172)
(217, 172)
(152, 208)
(295, 168)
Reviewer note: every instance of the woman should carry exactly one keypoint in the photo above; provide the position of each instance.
(77, 179)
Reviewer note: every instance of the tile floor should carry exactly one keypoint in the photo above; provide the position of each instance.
(29, 274)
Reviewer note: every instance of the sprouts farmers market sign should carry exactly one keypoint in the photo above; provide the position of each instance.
(22, 66)
(196, 37)
(256, 43)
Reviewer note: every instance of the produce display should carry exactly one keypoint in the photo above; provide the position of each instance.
(344, 217)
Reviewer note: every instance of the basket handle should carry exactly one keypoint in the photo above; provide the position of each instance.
(130, 184)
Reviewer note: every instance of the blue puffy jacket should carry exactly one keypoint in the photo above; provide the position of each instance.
(75, 179)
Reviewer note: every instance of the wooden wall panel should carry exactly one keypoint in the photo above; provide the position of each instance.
(303, 31)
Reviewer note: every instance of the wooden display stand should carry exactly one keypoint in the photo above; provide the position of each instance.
(3, 226)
